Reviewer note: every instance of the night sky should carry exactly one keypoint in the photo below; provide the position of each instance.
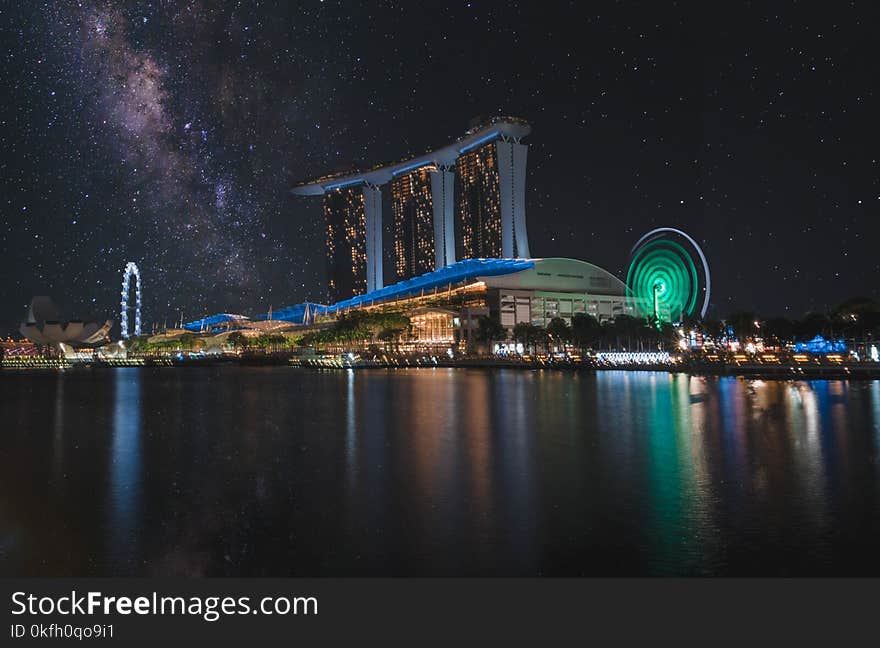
(170, 133)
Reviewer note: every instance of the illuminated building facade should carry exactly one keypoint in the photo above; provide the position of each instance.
(412, 206)
(346, 242)
(444, 306)
(432, 327)
(479, 203)
(490, 161)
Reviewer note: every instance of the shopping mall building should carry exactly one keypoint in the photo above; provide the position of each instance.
(444, 305)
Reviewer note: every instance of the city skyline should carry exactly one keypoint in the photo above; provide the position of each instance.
(170, 136)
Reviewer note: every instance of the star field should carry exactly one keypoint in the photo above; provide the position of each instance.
(170, 133)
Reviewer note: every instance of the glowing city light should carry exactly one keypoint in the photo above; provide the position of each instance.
(663, 279)
(130, 269)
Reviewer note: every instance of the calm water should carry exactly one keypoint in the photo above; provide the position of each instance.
(279, 471)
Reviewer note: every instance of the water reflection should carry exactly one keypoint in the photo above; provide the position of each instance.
(351, 444)
(276, 471)
(513, 421)
(804, 432)
(675, 502)
(125, 469)
(58, 433)
(475, 448)
(875, 400)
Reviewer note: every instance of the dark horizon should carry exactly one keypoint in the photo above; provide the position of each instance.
(171, 136)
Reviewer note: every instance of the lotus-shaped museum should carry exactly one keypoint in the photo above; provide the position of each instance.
(43, 326)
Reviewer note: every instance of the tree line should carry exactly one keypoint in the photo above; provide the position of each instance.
(585, 331)
(360, 326)
(856, 319)
(190, 342)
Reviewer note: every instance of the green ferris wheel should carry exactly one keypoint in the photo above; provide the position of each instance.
(668, 276)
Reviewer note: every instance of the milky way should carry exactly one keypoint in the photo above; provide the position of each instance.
(170, 133)
(173, 165)
(199, 226)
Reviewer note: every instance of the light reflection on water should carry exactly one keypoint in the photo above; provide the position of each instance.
(125, 469)
(277, 471)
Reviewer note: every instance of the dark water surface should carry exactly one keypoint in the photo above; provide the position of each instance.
(281, 471)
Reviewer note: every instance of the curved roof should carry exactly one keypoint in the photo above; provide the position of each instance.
(550, 275)
(43, 325)
(459, 272)
(512, 127)
(73, 332)
(558, 274)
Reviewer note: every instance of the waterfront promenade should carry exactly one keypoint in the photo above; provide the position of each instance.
(778, 367)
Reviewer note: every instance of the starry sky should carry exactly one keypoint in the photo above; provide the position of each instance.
(170, 133)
